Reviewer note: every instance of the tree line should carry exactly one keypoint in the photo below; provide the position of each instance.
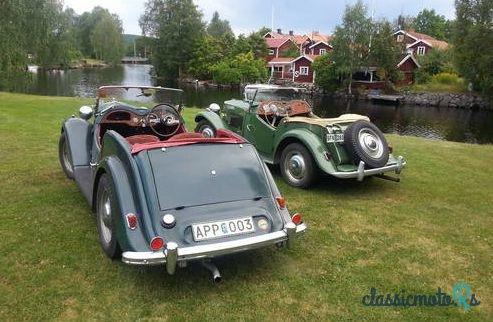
(41, 32)
(360, 42)
(185, 45)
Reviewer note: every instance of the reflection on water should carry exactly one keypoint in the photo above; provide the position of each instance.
(429, 122)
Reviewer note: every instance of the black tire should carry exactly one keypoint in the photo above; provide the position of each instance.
(106, 211)
(297, 166)
(365, 142)
(206, 128)
(65, 156)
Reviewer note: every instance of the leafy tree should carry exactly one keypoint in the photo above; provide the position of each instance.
(430, 23)
(326, 73)
(243, 68)
(385, 51)
(205, 56)
(404, 22)
(99, 35)
(351, 42)
(473, 42)
(177, 25)
(224, 73)
(218, 28)
(106, 38)
(255, 43)
(13, 48)
(291, 51)
(434, 62)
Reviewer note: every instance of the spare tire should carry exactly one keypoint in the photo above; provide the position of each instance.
(365, 142)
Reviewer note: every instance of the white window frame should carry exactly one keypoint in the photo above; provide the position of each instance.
(421, 50)
(271, 52)
(304, 70)
(323, 51)
(400, 38)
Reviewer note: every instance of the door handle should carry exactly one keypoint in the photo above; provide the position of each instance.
(250, 127)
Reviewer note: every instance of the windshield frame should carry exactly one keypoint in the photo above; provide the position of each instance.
(277, 94)
(104, 91)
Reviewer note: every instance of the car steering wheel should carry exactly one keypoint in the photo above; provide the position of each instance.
(163, 120)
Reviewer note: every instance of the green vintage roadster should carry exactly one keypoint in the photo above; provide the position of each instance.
(284, 130)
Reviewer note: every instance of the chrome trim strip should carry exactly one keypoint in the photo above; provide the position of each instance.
(361, 172)
(174, 254)
(143, 258)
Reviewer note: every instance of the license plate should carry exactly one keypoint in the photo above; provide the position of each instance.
(335, 137)
(223, 228)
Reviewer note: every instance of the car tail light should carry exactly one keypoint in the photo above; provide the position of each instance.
(157, 243)
(296, 219)
(391, 148)
(281, 202)
(132, 221)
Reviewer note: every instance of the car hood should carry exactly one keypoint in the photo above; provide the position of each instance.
(203, 174)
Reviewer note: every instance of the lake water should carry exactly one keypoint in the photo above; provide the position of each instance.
(429, 122)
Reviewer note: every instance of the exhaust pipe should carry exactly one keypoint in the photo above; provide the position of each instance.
(216, 276)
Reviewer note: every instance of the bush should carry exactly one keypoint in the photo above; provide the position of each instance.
(446, 78)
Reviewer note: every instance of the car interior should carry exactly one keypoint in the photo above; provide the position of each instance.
(161, 123)
(272, 112)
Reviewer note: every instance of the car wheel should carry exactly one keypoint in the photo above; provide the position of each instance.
(297, 166)
(106, 210)
(365, 142)
(206, 128)
(65, 156)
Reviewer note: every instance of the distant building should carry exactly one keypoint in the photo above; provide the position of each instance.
(417, 44)
(295, 69)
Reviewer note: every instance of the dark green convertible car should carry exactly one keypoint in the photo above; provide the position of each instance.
(285, 132)
(163, 195)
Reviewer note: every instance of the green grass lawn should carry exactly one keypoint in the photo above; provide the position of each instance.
(434, 229)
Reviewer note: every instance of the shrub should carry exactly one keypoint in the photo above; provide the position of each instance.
(446, 78)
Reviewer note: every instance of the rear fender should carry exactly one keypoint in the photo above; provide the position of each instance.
(128, 239)
(79, 135)
(118, 162)
(211, 117)
(311, 141)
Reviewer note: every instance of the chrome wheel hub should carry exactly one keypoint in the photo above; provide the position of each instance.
(295, 166)
(105, 217)
(370, 143)
(208, 132)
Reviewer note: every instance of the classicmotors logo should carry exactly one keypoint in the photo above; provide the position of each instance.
(461, 296)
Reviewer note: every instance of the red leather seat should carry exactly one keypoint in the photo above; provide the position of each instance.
(142, 138)
(187, 135)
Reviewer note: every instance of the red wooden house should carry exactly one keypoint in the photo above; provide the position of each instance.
(417, 44)
(295, 69)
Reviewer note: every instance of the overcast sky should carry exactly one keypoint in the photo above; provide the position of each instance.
(302, 16)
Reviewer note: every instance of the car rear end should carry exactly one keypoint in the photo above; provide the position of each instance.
(208, 200)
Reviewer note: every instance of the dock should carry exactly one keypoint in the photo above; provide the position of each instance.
(389, 99)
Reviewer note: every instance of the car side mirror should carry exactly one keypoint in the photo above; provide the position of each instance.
(85, 112)
(214, 108)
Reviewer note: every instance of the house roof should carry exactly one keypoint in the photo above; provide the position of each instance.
(281, 60)
(300, 39)
(409, 56)
(275, 42)
(309, 57)
(320, 42)
(317, 37)
(429, 40)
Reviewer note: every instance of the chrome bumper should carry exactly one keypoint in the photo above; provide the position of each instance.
(361, 172)
(173, 254)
